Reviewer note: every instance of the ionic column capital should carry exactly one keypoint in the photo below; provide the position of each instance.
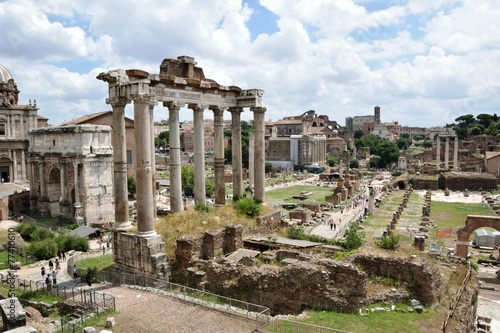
(118, 101)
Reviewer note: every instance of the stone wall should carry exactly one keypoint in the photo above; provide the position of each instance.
(291, 288)
(270, 221)
(423, 280)
(425, 183)
(19, 202)
(469, 180)
(140, 255)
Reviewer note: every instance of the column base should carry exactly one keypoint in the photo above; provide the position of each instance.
(146, 234)
(122, 226)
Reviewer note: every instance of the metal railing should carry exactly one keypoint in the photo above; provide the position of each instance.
(258, 313)
(88, 297)
(279, 325)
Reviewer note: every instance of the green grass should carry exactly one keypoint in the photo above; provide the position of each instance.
(4, 259)
(454, 214)
(374, 322)
(285, 194)
(37, 296)
(100, 262)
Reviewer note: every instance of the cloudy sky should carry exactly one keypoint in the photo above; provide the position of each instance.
(424, 62)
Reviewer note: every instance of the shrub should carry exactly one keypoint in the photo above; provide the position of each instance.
(353, 239)
(66, 243)
(201, 207)
(45, 249)
(248, 207)
(33, 232)
(390, 242)
(41, 234)
(296, 233)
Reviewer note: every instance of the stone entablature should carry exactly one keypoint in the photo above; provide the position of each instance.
(71, 173)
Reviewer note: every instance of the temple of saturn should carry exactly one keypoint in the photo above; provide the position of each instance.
(179, 83)
(447, 136)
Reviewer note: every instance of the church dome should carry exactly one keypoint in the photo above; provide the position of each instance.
(9, 94)
(5, 75)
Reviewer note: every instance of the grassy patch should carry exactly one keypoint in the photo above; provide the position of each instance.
(374, 322)
(286, 194)
(100, 262)
(454, 214)
(37, 296)
(192, 222)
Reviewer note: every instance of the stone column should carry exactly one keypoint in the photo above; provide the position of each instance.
(43, 199)
(259, 153)
(220, 191)
(175, 157)
(153, 157)
(120, 184)
(23, 166)
(447, 153)
(199, 154)
(438, 152)
(250, 159)
(236, 152)
(144, 174)
(14, 166)
(63, 202)
(371, 200)
(77, 204)
(455, 154)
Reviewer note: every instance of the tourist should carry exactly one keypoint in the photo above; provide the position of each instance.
(54, 278)
(51, 265)
(88, 277)
(58, 264)
(64, 256)
(75, 273)
(103, 250)
(48, 283)
(107, 245)
(331, 225)
(43, 272)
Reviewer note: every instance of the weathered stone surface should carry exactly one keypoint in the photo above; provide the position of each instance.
(13, 314)
(424, 279)
(110, 322)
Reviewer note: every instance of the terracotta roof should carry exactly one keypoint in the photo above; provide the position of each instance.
(89, 117)
(491, 154)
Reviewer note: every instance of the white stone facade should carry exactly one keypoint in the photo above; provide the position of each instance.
(72, 173)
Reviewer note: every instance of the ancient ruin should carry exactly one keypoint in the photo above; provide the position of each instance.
(179, 83)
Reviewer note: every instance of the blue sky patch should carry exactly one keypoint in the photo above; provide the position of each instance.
(262, 20)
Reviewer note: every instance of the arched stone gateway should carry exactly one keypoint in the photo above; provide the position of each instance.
(472, 223)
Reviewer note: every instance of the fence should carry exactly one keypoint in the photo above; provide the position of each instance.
(91, 298)
(455, 300)
(77, 257)
(279, 325)
(259, 314)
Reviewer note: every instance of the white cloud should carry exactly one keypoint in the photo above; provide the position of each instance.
(420, 60)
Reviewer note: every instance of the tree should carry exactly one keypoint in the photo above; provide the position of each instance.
(358, 134)
(332, 160)
(131, 185)
(187, 179)
(403, 143)
(353, 164)
(388, 152)
(268, 167)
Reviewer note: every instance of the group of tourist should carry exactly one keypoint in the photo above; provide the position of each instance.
(50, 278)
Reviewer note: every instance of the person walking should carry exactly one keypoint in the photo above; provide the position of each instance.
(54, 278)
(75, 273)
(64, 256)
(48, 283)
(58, 264)
(51, 265)
(43, 272)
(88, 277)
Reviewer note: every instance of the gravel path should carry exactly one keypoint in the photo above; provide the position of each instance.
(150, 313)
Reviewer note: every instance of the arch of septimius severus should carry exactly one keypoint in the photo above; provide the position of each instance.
(178, 84)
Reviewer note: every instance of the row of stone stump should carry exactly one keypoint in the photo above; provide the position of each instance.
(494, 204)
(397, 215)
(424, 224)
